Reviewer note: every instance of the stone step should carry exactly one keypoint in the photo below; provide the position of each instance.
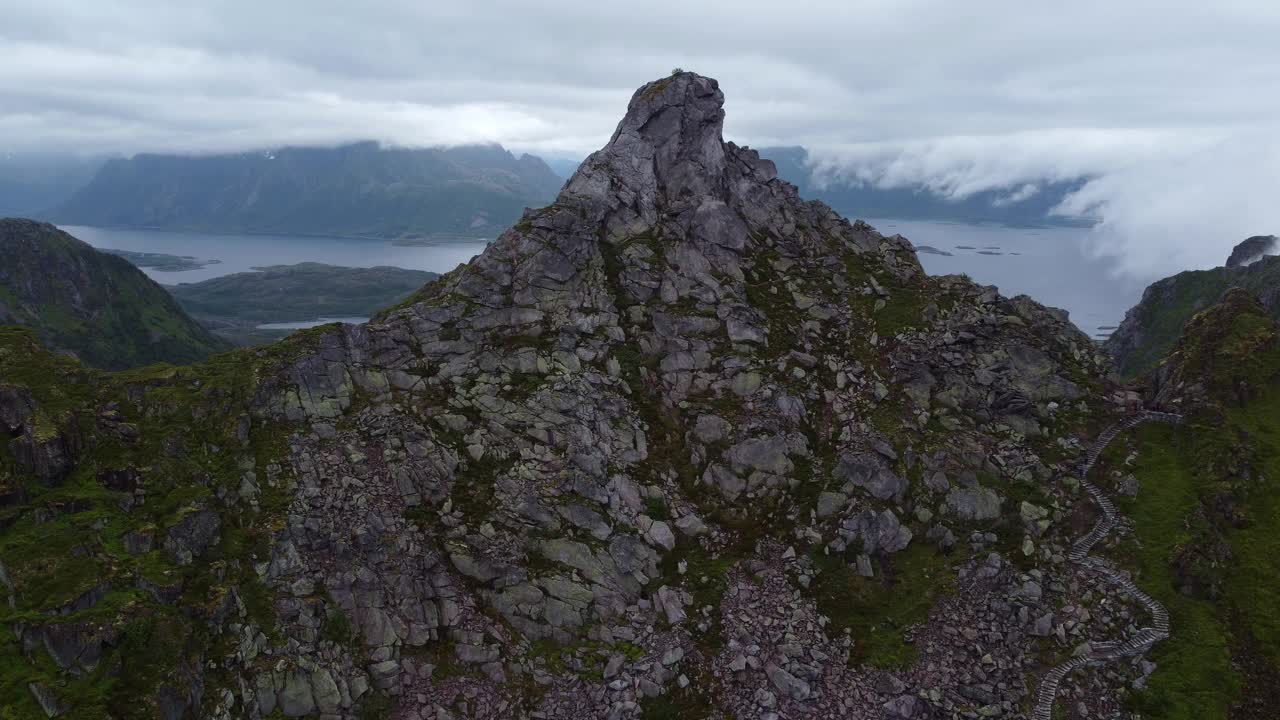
(1145, 638)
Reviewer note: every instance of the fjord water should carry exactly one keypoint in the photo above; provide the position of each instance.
(303, 324)
(1051, 265)
(242, 253)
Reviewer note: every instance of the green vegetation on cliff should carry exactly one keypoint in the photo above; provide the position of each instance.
(106, 492)
(1152, 327)
(97, 306)
(1207, 522)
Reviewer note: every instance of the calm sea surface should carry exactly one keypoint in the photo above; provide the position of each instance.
(1051, 265)
(241, 253)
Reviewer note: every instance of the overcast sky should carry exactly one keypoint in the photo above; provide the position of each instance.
(1172, 104)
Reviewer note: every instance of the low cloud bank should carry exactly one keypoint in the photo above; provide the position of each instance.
(956, 167)
(1185, 210)
(1163, 201)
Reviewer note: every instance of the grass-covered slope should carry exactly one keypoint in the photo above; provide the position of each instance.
(108, 483)
(97, 306)
(1206, 535)
(282, 293)
(234, 305)
(1152, 327)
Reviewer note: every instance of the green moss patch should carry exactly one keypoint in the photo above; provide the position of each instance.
(877, 611)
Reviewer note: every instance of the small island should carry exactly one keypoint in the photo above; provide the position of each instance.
(930, 250)
(161, 262)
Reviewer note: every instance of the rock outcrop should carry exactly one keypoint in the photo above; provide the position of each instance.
(1251, 250)
(1151, 328)
(680, 439)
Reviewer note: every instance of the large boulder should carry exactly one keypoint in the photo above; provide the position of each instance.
(974, 503)
(872, 474)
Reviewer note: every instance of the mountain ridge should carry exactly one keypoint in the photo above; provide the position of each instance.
(359, 189)
(233, 306)
(1151, 328)
(94, 305)
(679, 444)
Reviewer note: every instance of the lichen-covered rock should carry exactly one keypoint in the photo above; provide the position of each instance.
(670, 439)
(192, 535)
(974, 503)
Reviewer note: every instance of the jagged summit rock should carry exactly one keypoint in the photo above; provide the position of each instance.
(668, 162)
(678, 438)
(666, 151)
(1251, 250)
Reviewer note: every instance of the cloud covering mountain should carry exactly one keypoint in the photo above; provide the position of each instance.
(954, 96)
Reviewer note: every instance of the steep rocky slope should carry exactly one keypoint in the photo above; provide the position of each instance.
(361, 189)
(97, 306)
(1152, 327)
(680, 444)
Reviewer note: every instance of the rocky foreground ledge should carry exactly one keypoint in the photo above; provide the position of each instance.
(680, 444)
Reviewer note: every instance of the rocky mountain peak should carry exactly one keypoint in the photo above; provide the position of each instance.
(667, 149)
(1152, 328)
(1251, 250)
(668, 156)
(680, 437)
(665, 208)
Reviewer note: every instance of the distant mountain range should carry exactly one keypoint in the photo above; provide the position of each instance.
(32, 183)
(361, 189)
(366, 190)
(1005, 205)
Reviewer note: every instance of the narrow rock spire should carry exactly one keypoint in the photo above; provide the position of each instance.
(667, 152)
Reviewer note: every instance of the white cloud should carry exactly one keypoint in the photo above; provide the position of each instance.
(959, 97)
(1186, 210)
(1025, 192)
(959, 166)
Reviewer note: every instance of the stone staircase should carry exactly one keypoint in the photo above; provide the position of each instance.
(1145, 638)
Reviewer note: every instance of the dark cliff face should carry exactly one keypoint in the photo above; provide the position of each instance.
(679, 442)
(96, 306)
(1151, 328)
(1251, 250)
